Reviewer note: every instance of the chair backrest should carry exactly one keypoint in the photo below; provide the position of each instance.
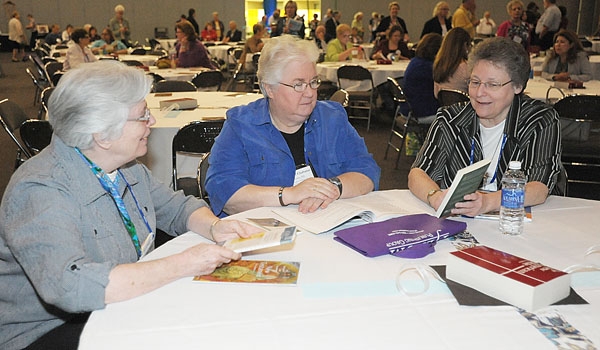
(340, 96)
(154, 44)
(155, 77)
(138, 51)
(39, 66)
(396, 90)
(585, 107)
(202, 171)
(447, 97)
(56, 77)
(173, 86)
(161, 32)
(133, 63)
(11, 118)
(51, 69)
(35, 79)
(197, 138)
(353, 73)
(46, 93)
(209, 79)
(36, 134)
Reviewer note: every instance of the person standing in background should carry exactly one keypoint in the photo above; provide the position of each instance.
(120, 26)
(373, 24)
(441, 23)
(464, 17)
(191, 18)
(514, 28)
(218, 26)
(357, 24)
(34, 33)
(313, 25)
(548, 25)
(487, 26)
(392, 20)
(331, 25)
(16, 37)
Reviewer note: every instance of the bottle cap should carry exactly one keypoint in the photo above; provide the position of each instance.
(514, 165)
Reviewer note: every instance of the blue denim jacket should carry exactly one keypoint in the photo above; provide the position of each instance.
(250, 150)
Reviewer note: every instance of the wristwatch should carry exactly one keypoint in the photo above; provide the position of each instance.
(431, 193)
(336, 181)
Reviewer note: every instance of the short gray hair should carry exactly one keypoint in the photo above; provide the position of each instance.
(95, 98)
(505, 54)
(281, 51)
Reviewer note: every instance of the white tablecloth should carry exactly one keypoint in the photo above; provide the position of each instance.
(380, 72)
(211, 104)
(220, 51)
(344, 300)
(177, 73)
(537, 88)
(537, 63)
(147, 60)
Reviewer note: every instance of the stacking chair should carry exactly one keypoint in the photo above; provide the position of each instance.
(133, 63)
(447, 97)
(202, 171)
(173, 86)
(11, 118)
(39, 67)
(233, 56)
(195, 138)
(51, 69)
(340, 96)
(39, 85)
(138, 51)
(348, 75)
(45, 97)
(580, 133)
(209, 80)
(401, 124)
(36, 135)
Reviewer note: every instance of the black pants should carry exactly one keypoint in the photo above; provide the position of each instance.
(63, 337)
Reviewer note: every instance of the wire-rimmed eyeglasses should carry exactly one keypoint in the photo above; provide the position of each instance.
(144, 118)
(490, 85)
(301, 86)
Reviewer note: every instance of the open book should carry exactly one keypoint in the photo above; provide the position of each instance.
(264, 239)
(467, 180)
(371, 207)
(495, 215)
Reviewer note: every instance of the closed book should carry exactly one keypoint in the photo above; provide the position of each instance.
(181, 103)
(509, 278)
(258, 272)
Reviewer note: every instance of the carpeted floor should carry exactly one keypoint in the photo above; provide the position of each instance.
(17, 86)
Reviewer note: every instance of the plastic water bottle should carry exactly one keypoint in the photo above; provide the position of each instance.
(512, 209)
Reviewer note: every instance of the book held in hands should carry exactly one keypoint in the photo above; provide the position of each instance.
(514, 280)
(467, 180)
(261, 240)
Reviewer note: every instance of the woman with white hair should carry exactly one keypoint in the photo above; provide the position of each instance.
(76, 218)
(441, 22)
(120, 26)
(288, 148)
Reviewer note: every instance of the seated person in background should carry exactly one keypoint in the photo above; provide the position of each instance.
(392, 47)
(208, 33)
(79, 52)
(108, 44)
(62, 203)
(253, 45)
(288, 148)
(233, 34)
(320, 42)
(418, 80)
(93, 32)
(450, 66)
(340, 48)
(190, 51)
(54, 37)
(441, 22)
(568, 60)
(66, 34)
(515, 28)
(501, 124)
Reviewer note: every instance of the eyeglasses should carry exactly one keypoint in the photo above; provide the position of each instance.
(490, 85)
(144, 118)
(301, 86)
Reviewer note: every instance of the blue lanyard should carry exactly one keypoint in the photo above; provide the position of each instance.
(504, 138)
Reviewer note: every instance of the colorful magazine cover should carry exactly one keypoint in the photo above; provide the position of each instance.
(255, 271)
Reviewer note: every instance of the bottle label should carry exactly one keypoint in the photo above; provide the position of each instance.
(513, 198)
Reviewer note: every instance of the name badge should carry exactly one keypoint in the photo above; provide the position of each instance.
(303, 172)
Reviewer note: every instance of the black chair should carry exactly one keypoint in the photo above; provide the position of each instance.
(36, 135)
(401, 124)
(349, 75)
(11, 118)
(161, 32)
(133, 63)
(138, 51)
(51, 69)
(202, 170)
(197, 139)
(580, 133)
(173, 86)
(38, 83)
(340, 96)
(155, 77)
(447, 97)
(39, 67)
(208, 80)
(45, 97)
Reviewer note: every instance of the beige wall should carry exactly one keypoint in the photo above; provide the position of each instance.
(144, 15)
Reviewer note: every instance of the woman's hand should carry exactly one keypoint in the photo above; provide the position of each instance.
(223, 230)
(203, 259)
(312, 194)
(564, 76)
